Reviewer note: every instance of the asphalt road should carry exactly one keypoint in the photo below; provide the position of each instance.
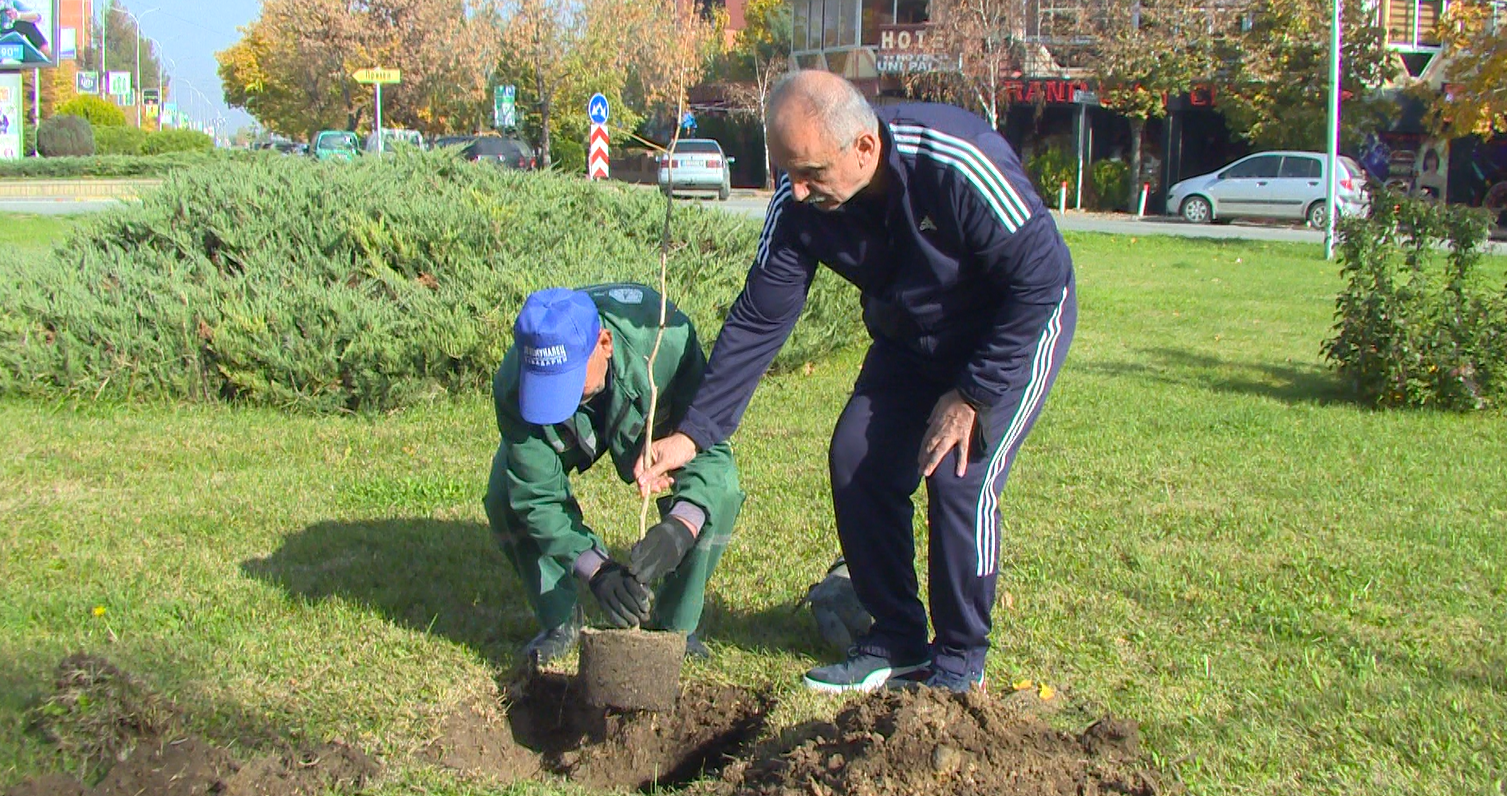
(56, 207)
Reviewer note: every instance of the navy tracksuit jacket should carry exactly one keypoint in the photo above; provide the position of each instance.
(966, 284)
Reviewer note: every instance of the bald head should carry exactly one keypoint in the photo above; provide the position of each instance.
(823, 134)
(830, 103)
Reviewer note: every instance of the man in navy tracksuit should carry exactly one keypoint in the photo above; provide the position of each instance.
(968, 294)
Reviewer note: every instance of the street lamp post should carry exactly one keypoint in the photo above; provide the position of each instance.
(136, 75)
(1331, 205)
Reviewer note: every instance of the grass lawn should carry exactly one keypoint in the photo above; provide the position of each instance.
(1290, 593)
(32, 233)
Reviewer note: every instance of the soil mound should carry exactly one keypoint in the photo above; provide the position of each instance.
(641, 750)
(922, 740)
(106, 722)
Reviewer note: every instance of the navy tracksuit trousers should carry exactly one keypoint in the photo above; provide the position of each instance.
(874, 471)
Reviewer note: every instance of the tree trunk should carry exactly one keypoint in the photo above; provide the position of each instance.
(1137, 132)
(544, 158)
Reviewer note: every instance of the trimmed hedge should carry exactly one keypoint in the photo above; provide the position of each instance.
(338, 287)
(164, 141)
(119, 140)
(65, 136)
(112, 166)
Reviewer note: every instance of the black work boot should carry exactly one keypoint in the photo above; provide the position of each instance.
(554, 642)
(695, 649)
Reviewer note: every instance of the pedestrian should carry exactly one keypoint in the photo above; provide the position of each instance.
(574, 387)
(968, 294)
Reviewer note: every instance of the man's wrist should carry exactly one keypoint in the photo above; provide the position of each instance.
(587, 563)
(692, 516)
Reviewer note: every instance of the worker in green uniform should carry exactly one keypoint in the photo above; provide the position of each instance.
(574, 387)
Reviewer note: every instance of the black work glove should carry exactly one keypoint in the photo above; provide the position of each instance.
(660, 551)
(623, 599)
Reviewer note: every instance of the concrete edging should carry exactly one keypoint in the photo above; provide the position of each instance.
(76, 189)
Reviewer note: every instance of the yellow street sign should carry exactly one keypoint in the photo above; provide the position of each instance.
(377, 75)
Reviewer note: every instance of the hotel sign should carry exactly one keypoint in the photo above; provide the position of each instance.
(904, 49)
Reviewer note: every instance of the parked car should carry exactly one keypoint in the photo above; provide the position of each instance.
(1289, 185)
(446, 141)
(394, 136)
(334, 145)
(507, 151)
(696, 164)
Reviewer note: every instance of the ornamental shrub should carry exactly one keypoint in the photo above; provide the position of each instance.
(99, 112)
(337, 287)
(1049, 169)
(1111, 184)
(1416, 324)
(114, 165)
(119, 140)
(65, 136)
(164, 141)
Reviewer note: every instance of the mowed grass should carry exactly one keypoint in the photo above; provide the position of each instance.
(30, 233)
(1290, 593)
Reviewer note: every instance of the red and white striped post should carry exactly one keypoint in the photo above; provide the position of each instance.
(597, 153)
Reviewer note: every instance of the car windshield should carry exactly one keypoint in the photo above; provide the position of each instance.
(337, 141)
(695, 147)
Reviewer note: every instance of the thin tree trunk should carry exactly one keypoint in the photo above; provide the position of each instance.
(544, 156)
(1137, 132)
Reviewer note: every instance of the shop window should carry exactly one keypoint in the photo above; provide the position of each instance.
(833, 8)
(847, 27)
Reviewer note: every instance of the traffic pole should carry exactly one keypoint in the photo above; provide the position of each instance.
(379, 117)
(1331, 164)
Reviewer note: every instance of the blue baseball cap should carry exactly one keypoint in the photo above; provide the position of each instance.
(555, 334)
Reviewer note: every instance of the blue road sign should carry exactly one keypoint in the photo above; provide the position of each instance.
(597, 109)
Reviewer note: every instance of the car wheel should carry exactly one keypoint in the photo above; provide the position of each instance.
(724, 192)
(1316, 216)
(1196, 210)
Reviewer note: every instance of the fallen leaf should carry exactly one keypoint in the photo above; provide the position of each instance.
(1046, 692)
(1023, 685)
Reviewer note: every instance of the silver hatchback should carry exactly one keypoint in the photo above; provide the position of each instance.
(1288, 185)
(696, 164)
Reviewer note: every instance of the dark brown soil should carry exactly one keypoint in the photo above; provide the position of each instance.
(912, 741)
(936, 742)
(631, 669)
(642, 750)
(103, 720)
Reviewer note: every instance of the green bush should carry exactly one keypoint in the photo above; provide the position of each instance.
(65, 136)
(567, 155)
(116, 166)
(119, 140)
(1111, 184)
(1415, 325)
(28, 140)
(352, 286)
(1049, 169)
(165, 141)
(99, 112)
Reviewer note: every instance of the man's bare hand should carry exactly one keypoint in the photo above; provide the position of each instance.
(670, 454)
(951, 426)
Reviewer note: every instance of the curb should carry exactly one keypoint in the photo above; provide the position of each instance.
(83, 190)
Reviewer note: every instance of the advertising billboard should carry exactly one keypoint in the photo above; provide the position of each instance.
(28, 34)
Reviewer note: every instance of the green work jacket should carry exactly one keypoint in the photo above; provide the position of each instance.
(540, 459)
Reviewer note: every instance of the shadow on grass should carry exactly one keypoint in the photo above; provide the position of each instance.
(448, 578)
(1287, 382)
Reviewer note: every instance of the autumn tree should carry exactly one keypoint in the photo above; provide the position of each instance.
(1148, 50)
(1475, 44)
(975, 47)
(1276, 87)
(758, 58)
(292, 68)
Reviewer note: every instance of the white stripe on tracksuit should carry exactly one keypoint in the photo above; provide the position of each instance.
(972, 164)
(986, 522)
(776, 205)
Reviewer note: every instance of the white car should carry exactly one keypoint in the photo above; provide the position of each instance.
(1287, 185)
(697, 165)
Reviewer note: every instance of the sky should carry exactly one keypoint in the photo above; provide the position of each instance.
(191, 32)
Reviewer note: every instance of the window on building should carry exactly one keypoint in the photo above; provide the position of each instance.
(800, 20)
(832, 9)
(847, 28)
(875, 13)
(911, 12)
(1412, 24)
